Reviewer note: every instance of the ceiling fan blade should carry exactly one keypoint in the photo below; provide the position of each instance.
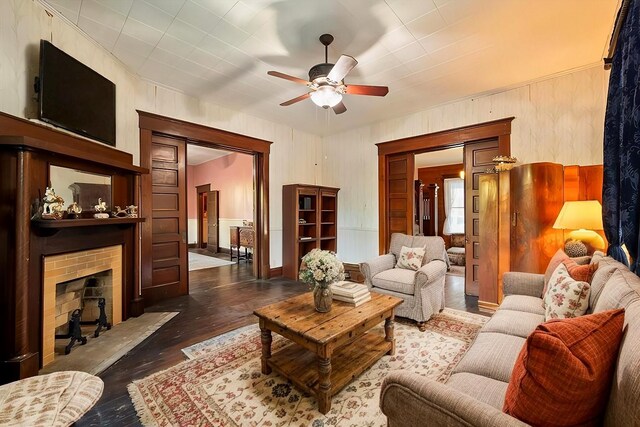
(294, 100)
(367, 90)
(341, 69)
(339, 108)
(287, 77)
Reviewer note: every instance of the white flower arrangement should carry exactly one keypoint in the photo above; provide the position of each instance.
(322, 268)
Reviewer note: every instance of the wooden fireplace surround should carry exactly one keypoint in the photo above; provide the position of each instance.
(27, 149)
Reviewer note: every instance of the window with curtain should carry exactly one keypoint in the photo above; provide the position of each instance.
(453, 206)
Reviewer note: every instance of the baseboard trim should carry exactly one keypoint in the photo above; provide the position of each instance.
(487, 307)
(275, 272)
(192, 245)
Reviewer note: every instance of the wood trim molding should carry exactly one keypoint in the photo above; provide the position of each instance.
(204, 188)
(275, 272)
(447, 138)
(500, 129)
(150, 123)
(196, 133)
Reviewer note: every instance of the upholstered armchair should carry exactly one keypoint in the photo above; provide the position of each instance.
(421, 290)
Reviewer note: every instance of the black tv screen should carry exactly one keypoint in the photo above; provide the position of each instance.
(74, 97)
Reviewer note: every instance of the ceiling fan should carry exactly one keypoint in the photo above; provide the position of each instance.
(327, 84)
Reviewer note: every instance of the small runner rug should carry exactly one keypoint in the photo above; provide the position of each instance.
(221, 384)
(200, 262)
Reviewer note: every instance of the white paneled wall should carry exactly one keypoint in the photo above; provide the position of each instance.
(294, 156)
(556, 120)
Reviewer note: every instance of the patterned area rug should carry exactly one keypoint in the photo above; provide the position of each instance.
(221, 385)
(200, 262)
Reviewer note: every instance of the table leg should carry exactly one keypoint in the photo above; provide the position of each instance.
(388, 334)
(324, 386)
(265, 338)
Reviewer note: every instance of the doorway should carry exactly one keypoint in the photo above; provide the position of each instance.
(397, 173)
(220, 195)
(163, 200)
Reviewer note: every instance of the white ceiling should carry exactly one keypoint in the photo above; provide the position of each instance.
(449, 156)
(428, 52)
(197, 154)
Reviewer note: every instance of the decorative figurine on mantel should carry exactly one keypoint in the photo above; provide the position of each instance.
(100, 209)
(73, 211)
(119, 212)
(132, 211)
(53, 205)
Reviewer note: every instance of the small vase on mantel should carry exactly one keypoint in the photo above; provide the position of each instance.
(322, 297)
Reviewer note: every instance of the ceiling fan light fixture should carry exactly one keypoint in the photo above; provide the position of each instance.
(326, 97)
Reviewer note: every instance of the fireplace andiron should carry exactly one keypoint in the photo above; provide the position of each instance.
(75, 332)
(102, 319)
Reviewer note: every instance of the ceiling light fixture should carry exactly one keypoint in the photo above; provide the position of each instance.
(326, 97)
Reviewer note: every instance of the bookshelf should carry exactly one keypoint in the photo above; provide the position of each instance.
(309, 220)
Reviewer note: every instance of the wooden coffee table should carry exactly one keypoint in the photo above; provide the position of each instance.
(320, 360)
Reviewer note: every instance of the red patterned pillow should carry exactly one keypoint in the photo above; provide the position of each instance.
(562, 376)
(555, 261)
(583, 273)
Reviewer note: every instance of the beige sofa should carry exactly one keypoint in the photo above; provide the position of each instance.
(474, 394)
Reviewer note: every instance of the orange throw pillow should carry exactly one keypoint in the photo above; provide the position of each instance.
(581, 273)
(562, 376)
(554, 262)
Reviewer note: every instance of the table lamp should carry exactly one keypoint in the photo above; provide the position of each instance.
(583, 217)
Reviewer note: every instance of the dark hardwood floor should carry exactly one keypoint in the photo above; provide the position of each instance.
(221, 299)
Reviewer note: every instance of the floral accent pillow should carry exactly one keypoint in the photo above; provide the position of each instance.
(410, 258)
(565, 296)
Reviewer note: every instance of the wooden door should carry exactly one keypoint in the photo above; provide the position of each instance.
(477, 159)
(202, 191)
(169, 258)
(399, 203)
(213, 228)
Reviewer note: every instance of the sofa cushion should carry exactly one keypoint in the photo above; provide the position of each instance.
(524, 303)
(410, 258)
(510, 322)
(565, 297)
(397, 279)
(491, 355)
(600, 277)
(484, 389)
(555, 261)
(580, 272)
(563, 374)
(620, 290)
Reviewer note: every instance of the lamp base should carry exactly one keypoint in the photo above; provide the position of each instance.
(589, 237)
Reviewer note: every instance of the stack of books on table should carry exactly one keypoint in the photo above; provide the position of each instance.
(350, 292)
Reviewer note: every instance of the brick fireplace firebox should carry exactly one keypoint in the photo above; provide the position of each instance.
(65, 267)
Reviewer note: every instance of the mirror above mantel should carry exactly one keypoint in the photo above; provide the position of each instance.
(81, 187)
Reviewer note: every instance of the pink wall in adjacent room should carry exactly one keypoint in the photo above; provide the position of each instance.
(232, 176)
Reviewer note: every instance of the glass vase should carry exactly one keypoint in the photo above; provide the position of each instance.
(322, 298)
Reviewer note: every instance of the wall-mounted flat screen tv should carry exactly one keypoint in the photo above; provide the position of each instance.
(74, 97)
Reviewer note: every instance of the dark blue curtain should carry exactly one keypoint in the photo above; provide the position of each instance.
(620, 199)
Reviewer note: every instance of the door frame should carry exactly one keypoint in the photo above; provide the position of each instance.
(200, 190)
(192, 133)
(451, 138)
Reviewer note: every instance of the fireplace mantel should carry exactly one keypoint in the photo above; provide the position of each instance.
(27, 149)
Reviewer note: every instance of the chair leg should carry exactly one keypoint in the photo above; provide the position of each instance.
(422, 326)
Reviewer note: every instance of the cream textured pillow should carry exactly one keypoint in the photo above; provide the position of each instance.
(565, 297)
(410, 258)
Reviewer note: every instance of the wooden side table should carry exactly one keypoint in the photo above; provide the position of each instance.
(241, 236)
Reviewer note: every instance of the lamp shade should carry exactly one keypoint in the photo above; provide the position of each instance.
(581, 214)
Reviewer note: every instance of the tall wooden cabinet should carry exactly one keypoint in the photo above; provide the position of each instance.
(309, 220)
(517, 210)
